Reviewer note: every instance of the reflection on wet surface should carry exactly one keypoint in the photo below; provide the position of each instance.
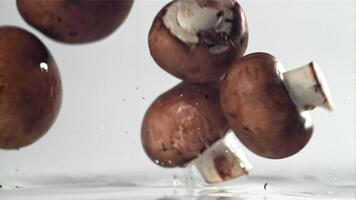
(180, 188)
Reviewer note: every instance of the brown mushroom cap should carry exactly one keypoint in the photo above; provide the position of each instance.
(182, 123)
(30, 88)
(260, 110)
(197, 63)
(75, 21)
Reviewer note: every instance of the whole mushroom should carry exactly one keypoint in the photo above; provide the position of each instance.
(197, 40)
(75, 21)
(187, 125)
(30, 88)
(268, 108)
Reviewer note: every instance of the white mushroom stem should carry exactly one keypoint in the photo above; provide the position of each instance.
(222, 161)
(186, 18)
(193, 18)
(308, 88)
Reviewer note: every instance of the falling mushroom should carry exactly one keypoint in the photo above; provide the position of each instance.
(187, 125)
(268, 108)
(75, 21)
(197, 40)
(30, 88)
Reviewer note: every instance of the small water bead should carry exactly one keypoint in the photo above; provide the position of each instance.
(265, 186)
(176, 182)
(44, 66)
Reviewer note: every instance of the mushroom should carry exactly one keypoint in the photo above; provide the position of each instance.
(30, 88)
(187, 125)
(197, 40)
(268, 108)
(75, 21)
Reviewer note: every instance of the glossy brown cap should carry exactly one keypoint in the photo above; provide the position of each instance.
(75, 21)
(260, 110)
(182, 123)
(197, 63)
(30, 88)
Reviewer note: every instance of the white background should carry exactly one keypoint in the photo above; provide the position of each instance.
(108, 85)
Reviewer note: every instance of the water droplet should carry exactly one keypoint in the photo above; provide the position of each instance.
(123, 99)
(181, 95)
(157, 161)
(43, 66)
(197, 103)
(176, 182)
(265, 186)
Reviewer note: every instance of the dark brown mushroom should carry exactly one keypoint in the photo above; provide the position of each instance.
(75, 21)
(185, 121)
(197, 40)
(30, 88)
(266, 107)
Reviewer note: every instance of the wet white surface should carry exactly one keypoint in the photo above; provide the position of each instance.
(184, 186)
